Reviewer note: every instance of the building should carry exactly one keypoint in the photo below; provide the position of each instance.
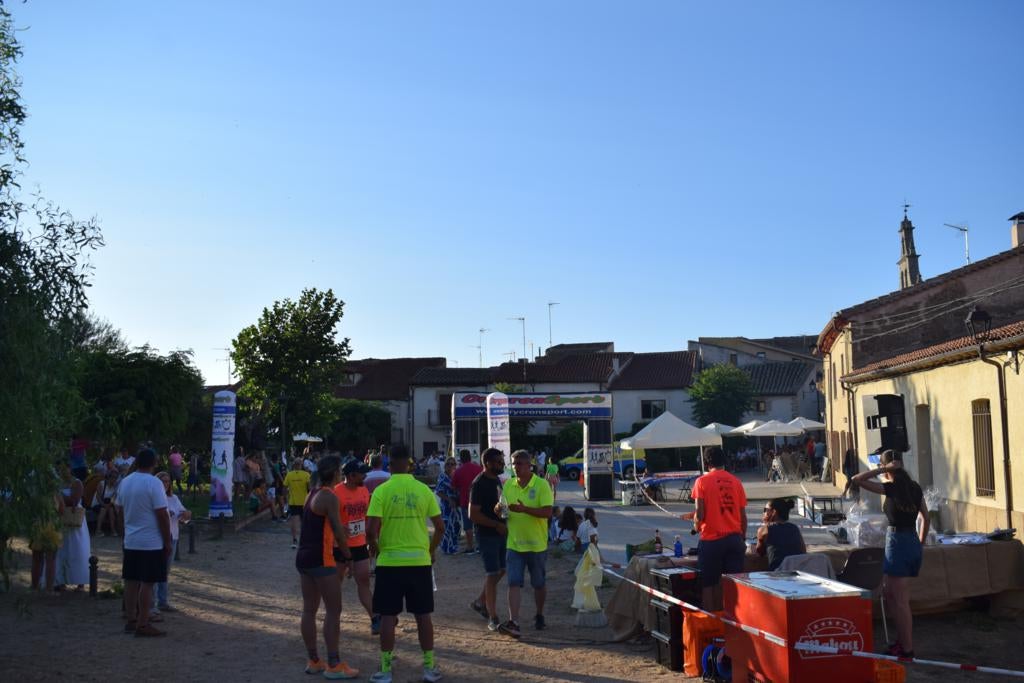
(905, 371)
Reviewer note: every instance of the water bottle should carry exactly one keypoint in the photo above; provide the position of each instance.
(678, 547)
(502, 507)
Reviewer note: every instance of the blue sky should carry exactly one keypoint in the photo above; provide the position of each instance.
(664, 170)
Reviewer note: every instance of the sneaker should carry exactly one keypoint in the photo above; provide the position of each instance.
(317, 667)
(167, 608)
(381, 677)
(493, 625)
(479, 609)
(339, 671)
(469, 551)
(375, 625)
(294, 544)
(510, 628)
(538, 622)
(431, 675)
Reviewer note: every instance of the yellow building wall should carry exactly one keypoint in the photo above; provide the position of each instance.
(949, 391)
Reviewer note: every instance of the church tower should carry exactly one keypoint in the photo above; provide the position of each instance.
(910, 274)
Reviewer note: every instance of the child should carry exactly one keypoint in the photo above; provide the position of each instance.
(260, 501)
(587, 532)
(567, 526)
(553, 524)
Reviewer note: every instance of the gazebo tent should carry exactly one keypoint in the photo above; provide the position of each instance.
(806, 424)
(668, 431)
(718, 428)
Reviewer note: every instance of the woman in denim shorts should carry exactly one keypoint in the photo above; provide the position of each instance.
(903, 504)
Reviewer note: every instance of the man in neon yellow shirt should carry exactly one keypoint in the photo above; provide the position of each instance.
(396, 533)
(529, 501)
(297, 483)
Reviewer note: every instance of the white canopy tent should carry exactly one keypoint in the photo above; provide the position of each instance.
(718, 428)
(776, 428)
(745, 428)
(668, 431)
(806, 424)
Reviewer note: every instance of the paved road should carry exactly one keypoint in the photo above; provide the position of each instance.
(620, 525)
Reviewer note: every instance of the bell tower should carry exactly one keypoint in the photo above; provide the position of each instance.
(910, 274)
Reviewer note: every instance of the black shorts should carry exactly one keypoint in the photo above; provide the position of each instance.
(360, 553)
(721, 556)
(414, 584)
(147, 566)
(294, 510)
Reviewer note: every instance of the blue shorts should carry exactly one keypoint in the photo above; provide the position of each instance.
(519, 562)
(492, 551)
(467, 523)
(902, 553)
(720, 556)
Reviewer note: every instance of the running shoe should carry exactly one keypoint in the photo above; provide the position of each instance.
(431, 675)
(339, 671)
(538, 622)
(381, 677)
(294, 544)
(493, 625)
(315, 667)
(167, 608)
(510, 628)
(479, 609)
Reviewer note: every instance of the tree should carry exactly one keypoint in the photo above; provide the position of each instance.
(139, 395)
(44, 275)
(721, 393)
(358, 425)
(291, 358)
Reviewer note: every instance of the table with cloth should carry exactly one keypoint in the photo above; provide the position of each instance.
(949, 575)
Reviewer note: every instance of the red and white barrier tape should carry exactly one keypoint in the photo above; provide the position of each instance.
(777, 640)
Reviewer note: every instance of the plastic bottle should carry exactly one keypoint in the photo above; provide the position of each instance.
(502, 507)
(657, 542)
(678, 548)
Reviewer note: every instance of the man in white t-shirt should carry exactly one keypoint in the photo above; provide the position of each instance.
(376, 476)
(542, 460)
(142, 505)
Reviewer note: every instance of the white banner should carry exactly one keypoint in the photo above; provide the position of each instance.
(497, 423)
(222, 454)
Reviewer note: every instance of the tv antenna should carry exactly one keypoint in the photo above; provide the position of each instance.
(550, 305)
(480, 345)
(511, 355)
(964, 229)
(228, 359)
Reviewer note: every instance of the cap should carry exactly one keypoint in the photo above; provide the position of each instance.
(353, 466)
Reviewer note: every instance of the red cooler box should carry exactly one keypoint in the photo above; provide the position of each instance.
(802, 608)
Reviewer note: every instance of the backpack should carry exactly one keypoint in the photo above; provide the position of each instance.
(715, 665)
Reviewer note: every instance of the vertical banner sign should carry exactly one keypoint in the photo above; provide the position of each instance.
(222, 454)
(497, 423)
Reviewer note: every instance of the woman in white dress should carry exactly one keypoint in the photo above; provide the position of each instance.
(73, 555)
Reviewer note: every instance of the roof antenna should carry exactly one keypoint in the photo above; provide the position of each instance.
(964, 229)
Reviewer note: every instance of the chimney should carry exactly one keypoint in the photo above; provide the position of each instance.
(1017, 230)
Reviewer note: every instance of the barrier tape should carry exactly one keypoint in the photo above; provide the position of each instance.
(782, 642)
(643, 490)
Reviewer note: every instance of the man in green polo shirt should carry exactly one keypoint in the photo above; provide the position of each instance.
(396, 533)
(529, 502)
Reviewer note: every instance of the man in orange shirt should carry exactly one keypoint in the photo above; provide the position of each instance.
(354, 499)
(721, 519)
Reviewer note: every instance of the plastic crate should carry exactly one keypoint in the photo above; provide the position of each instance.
(669, 651)
(889, 672)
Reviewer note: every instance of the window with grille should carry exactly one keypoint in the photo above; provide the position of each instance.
(984, 467)
(651, 409)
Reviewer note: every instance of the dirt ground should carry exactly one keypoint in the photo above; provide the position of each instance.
(239, 612)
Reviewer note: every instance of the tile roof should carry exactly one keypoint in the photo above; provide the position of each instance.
(450, 377)
(778, 378)
(384, 379)
(668, 370)
(578, 367)
(939, 352)
(796, 344)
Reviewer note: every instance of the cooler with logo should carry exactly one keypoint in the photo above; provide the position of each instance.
(802, 608)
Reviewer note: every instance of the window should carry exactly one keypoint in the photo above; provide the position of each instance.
(733, 359)
(760, 406)
(349, 379)
(651, 409)
(761, 355)
(984, 467)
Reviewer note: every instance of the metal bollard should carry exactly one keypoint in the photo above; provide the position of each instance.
(191, 538)
(93, 575)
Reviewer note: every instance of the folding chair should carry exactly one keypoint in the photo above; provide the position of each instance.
(863, 569)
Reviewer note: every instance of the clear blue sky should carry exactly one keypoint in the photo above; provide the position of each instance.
(664, 170)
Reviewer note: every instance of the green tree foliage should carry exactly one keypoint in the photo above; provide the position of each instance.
(44, 274)
(569, 439)
(292, 357)
(721, 393)
(139, 395)
(358, 425)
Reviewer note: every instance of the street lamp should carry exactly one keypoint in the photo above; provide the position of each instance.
(978, 324)
(281, 399)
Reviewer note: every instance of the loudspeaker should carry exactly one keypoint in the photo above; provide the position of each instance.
(893, 423)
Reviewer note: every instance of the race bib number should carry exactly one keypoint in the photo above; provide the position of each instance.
(357, 527)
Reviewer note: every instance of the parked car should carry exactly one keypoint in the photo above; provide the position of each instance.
(622, 464)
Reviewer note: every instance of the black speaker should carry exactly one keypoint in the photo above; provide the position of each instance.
(893, 429)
